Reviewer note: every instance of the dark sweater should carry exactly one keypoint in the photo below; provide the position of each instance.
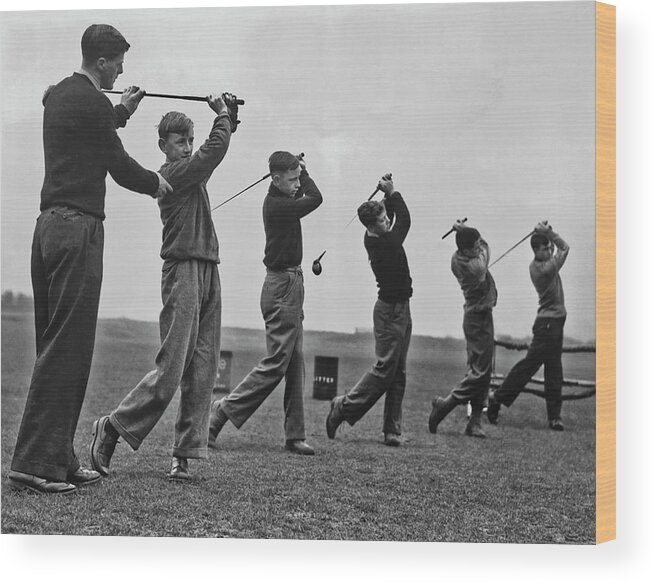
(188, 231)
(282, 215)
(387, 256)
(81, 145)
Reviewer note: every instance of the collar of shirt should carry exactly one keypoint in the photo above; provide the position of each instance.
(93, 80)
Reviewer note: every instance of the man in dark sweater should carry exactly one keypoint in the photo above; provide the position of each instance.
(392, 320)
(81, 146)
(190, 320)
(291, 196)
(548, 330)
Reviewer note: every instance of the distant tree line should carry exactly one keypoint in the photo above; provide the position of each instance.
(16, 302)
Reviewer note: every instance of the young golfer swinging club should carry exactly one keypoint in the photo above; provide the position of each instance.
(392, 320)
(291, 196)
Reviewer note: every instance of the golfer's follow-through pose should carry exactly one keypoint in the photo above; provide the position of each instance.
(392, 320)
(190, 320)
(291, 196)
(470, 264)
(81, 146)
(548, 330)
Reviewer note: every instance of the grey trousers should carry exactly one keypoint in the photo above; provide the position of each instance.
(281, 303)
(545, 349)
(392, 326)
(190, 331)
(479, 334)
(66, 279)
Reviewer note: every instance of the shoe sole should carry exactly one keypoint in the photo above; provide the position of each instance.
(331, 433)
(179, 479)
(20, 486)
(472, 435)
(432, 423)
(294, 451)
(94, 432)
(85, 483)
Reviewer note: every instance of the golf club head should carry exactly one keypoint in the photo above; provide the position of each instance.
(317, 268)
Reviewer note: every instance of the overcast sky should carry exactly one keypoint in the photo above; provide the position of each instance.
(483, 111)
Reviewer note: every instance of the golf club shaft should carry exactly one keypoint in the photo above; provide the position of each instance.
(301, 155)
(375, 192)
(511, 248)
(170, 96)
(243, 191)
(453, 229)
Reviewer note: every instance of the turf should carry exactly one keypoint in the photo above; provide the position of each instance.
(523, 484)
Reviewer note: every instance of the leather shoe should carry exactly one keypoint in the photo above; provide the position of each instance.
(298, 447)
(440, 409)
(21, 481)
(474, 428)
(179, 469)
(102, 446)
(83, 476)
(493, 409)
(556, 425)
(334, 418)
(391, 439)
(217, 419)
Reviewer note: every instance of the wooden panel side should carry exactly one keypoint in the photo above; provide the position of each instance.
(605, 272)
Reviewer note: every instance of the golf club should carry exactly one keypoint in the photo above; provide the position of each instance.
(511, 248)
(170, 96)
(301, 155)
(317, 268)
(375, 192)
(453, 229)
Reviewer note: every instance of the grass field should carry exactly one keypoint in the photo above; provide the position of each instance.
(523, 484)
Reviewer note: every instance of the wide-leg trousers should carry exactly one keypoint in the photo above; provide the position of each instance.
(66, 267)
(545, 349)
(190, 331)
(479, 334)
(392, 327)
(281, 303)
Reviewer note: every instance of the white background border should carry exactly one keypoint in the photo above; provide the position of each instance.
(124, 560)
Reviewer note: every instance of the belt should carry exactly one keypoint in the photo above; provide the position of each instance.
(292, 269)
(66, 209)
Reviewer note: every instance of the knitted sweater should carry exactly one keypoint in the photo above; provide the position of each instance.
(188, 231)
(81, 146)
(387, 256)
(547, 282)
(475, 280)
(282, 215)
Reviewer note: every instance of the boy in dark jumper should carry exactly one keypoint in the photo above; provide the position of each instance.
(291, 196)
(392, 320)
(190, 320)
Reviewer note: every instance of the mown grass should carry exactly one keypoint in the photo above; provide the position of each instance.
(522, 484)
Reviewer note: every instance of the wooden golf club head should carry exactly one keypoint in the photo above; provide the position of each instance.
(317, 268)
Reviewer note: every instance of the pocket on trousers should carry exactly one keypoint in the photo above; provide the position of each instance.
(292, 283)
(540, 327)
